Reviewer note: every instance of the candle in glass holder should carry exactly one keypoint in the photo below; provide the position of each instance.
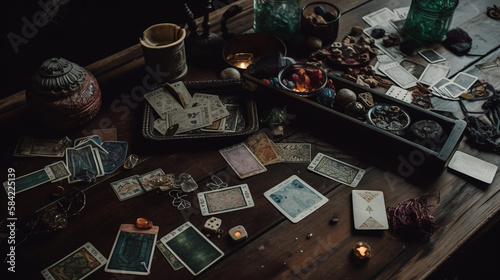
(362, 250)
(240, 60)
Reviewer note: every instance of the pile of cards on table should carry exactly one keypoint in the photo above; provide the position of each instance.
(89, 158)
(250, 157)
(205, 112)
(135, 185)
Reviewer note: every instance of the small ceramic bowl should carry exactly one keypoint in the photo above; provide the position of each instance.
(292, 78)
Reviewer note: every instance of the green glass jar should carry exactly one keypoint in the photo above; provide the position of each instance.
(429, 20)
(277, 17)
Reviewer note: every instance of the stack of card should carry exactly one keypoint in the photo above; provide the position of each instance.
(135, 185)
(89, 158)
(204, 112)
(452, 89)
(29, 146)
(257, 151)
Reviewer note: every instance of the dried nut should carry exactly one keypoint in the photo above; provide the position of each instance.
(336, 52)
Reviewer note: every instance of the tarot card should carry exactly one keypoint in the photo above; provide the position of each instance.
(145, 179)
(58, 170)
(435, 87)
(464, 80)
(162, 102)
(184, 94)
(433, 73)
(262, 147)
(77, 265)
(117, 153)
(190, 118)
(412, 67)
(431, 56)
(336, 170)
(474, 167)
(398, 24)
(132, 252)
(81, 162)
(172, 260)
(232, 120)
(399, 93)
(29, 146)
(100, 168)
(192, 248)
(106, 134)
(82, 140)
(295, 152)
(92, 142)
(217, 109)
(369, 210)
(216, 126)
(399, 75)
(242, 161)
(393, 52)
(380, 17)
(225, 200)
(452, 89)
(28, 181)
(127, 188)
(295, 199)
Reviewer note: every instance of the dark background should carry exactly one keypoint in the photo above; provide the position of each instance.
(81, 31)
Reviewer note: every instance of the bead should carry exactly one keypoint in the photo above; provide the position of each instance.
(344, 97)
(327, 97)
(334, 220)
(314, 43)
(131, 161)
(143, 223)
(309, 236)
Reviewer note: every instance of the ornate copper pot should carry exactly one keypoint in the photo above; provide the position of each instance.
(63, 94)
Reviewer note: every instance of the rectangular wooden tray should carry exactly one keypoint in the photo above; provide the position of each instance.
(415, 152)
(233, 88)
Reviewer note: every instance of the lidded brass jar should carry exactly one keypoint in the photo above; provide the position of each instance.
(63, 94)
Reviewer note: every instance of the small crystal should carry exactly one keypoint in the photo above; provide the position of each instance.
(131, 161)
(143, 223)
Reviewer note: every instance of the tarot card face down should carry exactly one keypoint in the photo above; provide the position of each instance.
(77, 265)
(132, 251)
(369, 210)
(225, 200)
(336, 170)
(295, 199)
(193, 249)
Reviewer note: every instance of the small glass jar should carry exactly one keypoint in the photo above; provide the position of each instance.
(429, 20)
(277, 17)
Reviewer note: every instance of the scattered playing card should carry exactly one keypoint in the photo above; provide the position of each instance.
(225, 200)
(78, 265)
(433, 73)
(192, 248)
(369, 210)
(127, 188)
(263, 148)
(132, 252)
(29, 146)
(242, 161)
(399, 75)
(295, 199)
(172, 260)
(474, 167)
(57, 171)
(295, 152)
(336, 170)
(399, 93)
(431, 56)
(464, 80)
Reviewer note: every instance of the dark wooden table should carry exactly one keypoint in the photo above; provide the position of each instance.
(276, 248)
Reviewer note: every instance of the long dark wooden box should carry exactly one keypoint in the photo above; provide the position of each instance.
(411, 152)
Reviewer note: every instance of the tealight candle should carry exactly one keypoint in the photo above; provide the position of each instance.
(362, 250)
(238, 233)
(240, 60)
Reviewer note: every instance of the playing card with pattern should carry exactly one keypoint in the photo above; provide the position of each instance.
(127, 188)
(336, 170)
(369, 210)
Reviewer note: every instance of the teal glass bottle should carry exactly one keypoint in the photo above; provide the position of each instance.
(429, 20)
(277, 17)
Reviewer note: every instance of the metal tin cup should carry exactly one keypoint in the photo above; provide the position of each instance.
(321, 19)
(164, 51)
